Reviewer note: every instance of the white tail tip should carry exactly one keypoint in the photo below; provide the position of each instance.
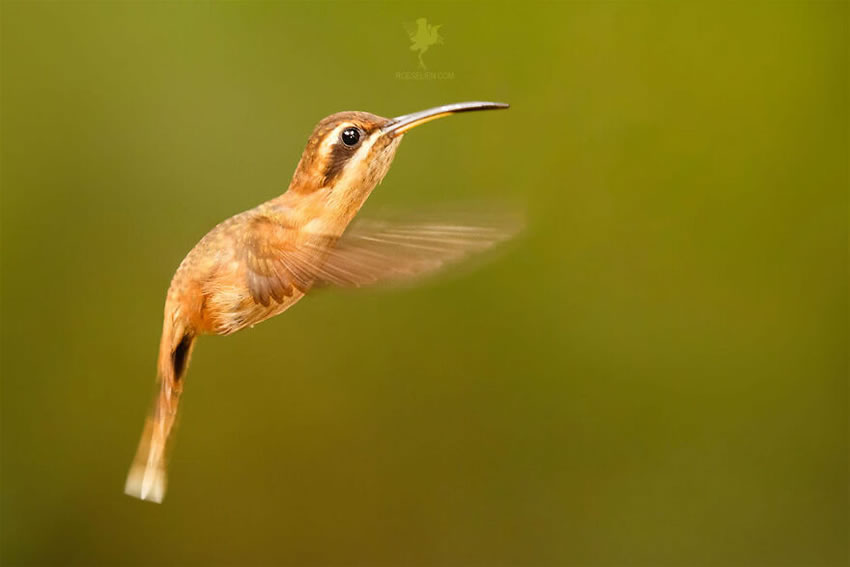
(146, 483)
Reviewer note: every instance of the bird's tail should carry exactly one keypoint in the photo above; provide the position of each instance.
(147, 476)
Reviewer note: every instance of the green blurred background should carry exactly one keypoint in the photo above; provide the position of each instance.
(654, 374)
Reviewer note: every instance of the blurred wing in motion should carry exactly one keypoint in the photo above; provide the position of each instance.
(279, 262)
(373, 251)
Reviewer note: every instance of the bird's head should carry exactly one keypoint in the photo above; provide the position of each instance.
(349, 153)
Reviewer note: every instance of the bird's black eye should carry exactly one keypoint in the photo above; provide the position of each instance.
(350, 136)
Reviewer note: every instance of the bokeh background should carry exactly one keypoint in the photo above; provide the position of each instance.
(654, 374)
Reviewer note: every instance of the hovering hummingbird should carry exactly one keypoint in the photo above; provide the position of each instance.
(260, 262)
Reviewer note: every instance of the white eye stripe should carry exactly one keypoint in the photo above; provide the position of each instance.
(330, 140)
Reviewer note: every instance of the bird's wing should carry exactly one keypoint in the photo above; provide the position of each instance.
(437, 35)
(279, 259)
(377, 251)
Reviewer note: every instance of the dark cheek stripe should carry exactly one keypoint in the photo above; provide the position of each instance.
(340, 154)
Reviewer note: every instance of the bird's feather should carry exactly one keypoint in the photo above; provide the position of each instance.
(379, 251)
(371, 251)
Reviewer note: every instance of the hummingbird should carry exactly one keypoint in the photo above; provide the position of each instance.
(259, 263)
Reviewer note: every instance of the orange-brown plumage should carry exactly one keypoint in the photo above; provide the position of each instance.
(259, 263)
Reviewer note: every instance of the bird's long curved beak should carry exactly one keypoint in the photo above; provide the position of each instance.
(401, 124)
